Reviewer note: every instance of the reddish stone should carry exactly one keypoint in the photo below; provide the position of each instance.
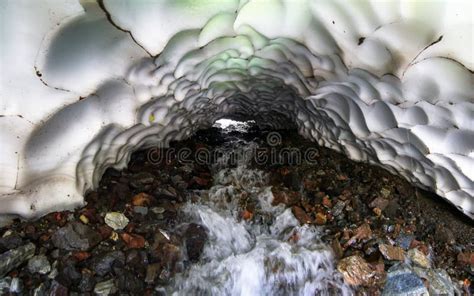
(247, 215)
(104, 231)
(133, 241)
(327, 202)
(321, 219)
(141, 199)
(466, 258)
(81, 255)
(361, 233)
(201, 181)
(301, 215)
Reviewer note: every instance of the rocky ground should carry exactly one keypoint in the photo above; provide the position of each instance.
(387, 236)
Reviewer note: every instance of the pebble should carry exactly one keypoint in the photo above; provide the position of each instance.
(105, 288)
(152, 272)
(320, 219)
(141, 180)
(140, 210)
(41, 290)
(391, 252)
(116, 220)
(103, 263)
(404, 241)
(440, 283)
(338, 208)
(401, 281)
(39, 264)
(75, 236)
(58, 290)
(419, 258)
(141, 199)
(301, 215)
(195, 238)
(10, 241)
(84, 219)
(87, 283)
(356, 271)
(158, 210)
(133, 241)
(14, 258)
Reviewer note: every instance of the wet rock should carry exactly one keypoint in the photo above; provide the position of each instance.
(68, 275)
(158, 210)
(401, 280)
(133, 241)
(16, 286)
(169, 255)
(363, 232)
(246, 215)
(201, 181)
(418, 258)
(103, 263)
(127, 281)
(58, 290)
(195, 238)
(356, 271)
(301, 215)
(392, 252)
(327, 202)
(105, 288)
(338, 208)
(116, 221)
(290, 198)
(75, 236)
(104, 231)
(440, 283)
(14, 258)
(5, 284)
(141, 180)
(337, 248)
(140, 210)
(320, 219)
(142, 199)
(152, 272)
(161, 237)
(41, 290)
(163, 193)
(11, 241)
(81, 255)
(87, 283)
(404, 241)
(54, 270)
(39, 264)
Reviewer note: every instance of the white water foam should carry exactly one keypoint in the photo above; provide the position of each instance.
(271, 255)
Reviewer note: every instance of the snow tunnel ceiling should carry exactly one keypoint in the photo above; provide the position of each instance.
(86, 83)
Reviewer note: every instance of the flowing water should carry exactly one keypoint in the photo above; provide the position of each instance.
(271, 254)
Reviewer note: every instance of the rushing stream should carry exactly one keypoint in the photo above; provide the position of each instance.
(271, 254)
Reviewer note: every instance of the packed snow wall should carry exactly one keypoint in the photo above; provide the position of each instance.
(85, 83)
